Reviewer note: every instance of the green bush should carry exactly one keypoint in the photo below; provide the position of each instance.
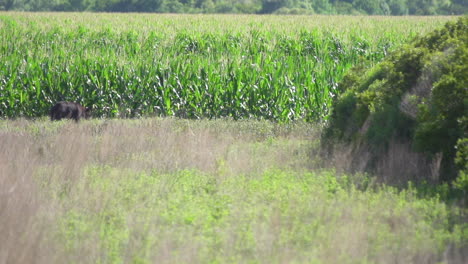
(418, 94)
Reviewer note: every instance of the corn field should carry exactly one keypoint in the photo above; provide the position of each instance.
(278, 68)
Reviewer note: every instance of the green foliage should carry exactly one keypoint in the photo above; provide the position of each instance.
(185, 66)
(371, 7)
(417, 94)
(130, 215)
(461, 159)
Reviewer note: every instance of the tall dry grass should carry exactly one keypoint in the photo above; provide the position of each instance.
(40, 161)
(64, 149)
(19, 201)
(396, 165)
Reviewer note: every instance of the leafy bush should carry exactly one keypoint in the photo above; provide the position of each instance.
(417, 95)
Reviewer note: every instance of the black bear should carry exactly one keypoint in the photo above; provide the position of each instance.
(68, 110)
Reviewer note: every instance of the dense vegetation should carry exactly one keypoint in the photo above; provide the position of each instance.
(418, 95)
(371, 7)
(276, 68)
(206, 191)
(170, 190)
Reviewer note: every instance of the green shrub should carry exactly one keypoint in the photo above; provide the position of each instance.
(418, 94)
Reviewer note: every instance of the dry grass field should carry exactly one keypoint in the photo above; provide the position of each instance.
(178, 191)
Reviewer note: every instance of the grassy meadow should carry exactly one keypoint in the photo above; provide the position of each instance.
(178, 191)
(215, 159)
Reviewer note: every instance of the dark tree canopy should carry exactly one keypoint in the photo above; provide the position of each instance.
(370, 7)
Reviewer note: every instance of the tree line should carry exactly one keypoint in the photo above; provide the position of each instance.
(351, 7)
